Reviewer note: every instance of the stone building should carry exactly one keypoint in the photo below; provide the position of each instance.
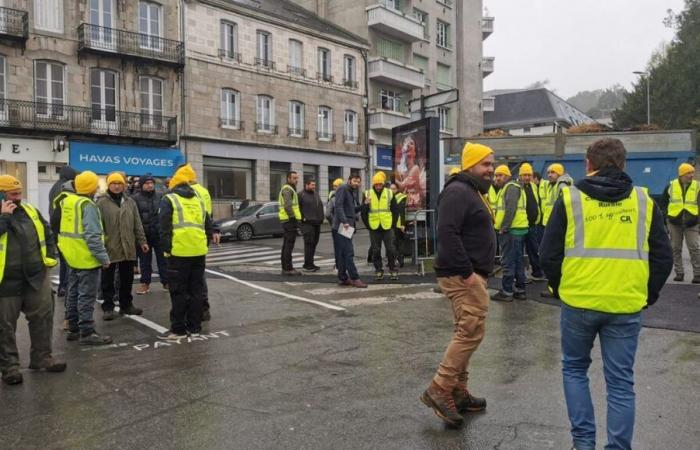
(269, 88)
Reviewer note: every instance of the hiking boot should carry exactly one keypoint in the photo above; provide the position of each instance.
(206, 316)
(131, 310)
(443, 404)
(291, 273)
(679, 277)
(379, 275)
(394, 275)
(344, 283)
(519, 295)
(109, 315)
(696, 280)
(143, 289)
(501, 296)
(11, 376)
(50, 365)
(465, 402)
(72, 335)
(171, 336)
(95, 339)
(358, 284)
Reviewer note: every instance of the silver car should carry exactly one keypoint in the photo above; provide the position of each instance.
(254, 220)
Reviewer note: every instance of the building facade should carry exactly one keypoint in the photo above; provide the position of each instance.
(418, 47)
(270, 89)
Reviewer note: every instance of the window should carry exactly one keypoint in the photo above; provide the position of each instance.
(264, 49)
(390, 49)
(48, 15)
(49, 88)
(444, 77)
(103, 94)
(325, 123)
(444, 115)
(101, 12)
(324, 65)
(227, 178)
(422, 63)
(390, 100)
(296, 119)
(150, 19)
(349, 77)
(266, 114)
(278, 177)
(229, 40)
(310, 172)
(422, 17)
(350, 127)
(296, 58)
(3, 88)
(230, 108)
(334, 172)
(393, 4)
(151, 101)
(443, 35)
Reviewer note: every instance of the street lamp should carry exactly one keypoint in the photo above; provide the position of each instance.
(646, 74)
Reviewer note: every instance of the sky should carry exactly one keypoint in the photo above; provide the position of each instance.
(576, 45)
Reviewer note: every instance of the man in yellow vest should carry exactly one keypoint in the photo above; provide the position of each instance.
(556, 179)
(27, 251)
(682, 202)
(381, 216)
(290, 216)
(532, 239)
(401, 240)
(81, 240)
(185, 231)
(607, 255)
(512, 227)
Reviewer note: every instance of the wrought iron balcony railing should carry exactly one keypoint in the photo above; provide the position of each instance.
(228, 54)
(298, 133)
(352, 84)
(298, 71)
(265, 63)
(231, 123)
(22, 115)
(137, 45)
(320, 76)
(265, 128)
(14, 23)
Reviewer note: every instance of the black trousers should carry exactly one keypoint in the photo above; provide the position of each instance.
(126, 279)
(376, 237)
(187, 287)
(311, 235)
(290, 237)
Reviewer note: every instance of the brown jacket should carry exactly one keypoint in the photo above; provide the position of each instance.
(122, 225)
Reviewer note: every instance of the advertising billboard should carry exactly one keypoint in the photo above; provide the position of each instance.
(415, 147)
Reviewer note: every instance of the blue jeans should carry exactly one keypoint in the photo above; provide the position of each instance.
(81, 297)
(512, 262)
(146, 261)
(618, 334)
(345, 255)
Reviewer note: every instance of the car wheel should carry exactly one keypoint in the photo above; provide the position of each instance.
(245, 232)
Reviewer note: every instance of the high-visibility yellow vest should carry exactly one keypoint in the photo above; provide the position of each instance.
(40, 234)
(492, 196)
(677, 202)
(552, 196)
(606, 252)
(71, 236)
(380, 209)
(284, 217)
(542, 197)
(520, 219)
(189, 236)
(204, 194)
(399, 198)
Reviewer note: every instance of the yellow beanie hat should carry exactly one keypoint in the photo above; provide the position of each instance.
(86, 182)
(187, 172)
(115, 177)
(503, 170)
(556, 168)
(454, 171)
(473, 153)
(525, 169)
(379, 178)
(9, 183)
(177, 180)
(685, 169)
(337, 182)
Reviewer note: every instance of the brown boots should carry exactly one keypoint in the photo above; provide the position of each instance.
(449, 405)
(143, 289)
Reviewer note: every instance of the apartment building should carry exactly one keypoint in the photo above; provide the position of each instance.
(91, 82)
(418, 47)
(270, 87)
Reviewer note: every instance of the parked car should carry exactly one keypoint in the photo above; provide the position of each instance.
(255, 220)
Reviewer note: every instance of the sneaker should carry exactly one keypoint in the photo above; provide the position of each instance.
(11, 376)
(466, 402)
(143, 289)
(442, 403)
(379, 275)
(538, 277)
(519, 295)
(316, 268)
(291, 273)
(131, 310)
(394, 275)
(679, 277)
(206, 316)
(311, 268)
(501, 296)
(358, 284)
(109, 315)
(171, 336)
(50, 365)
(95, 339)
(72, 335)
(344, 283)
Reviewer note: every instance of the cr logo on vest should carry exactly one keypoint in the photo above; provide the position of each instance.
(626, 219)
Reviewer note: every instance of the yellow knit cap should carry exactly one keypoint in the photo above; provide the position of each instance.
(556, 168)
(525, 169)
(503, 170)
(685, 169)
(86, 183)
(454, 171)
(337, 182)
(379, 178)
(187, 172)
(115, 177)
(473, 153)
(9, 183)
(177, 180)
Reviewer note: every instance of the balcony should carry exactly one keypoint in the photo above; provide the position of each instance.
(394, 23)
(386, 119)
(265, 128)
(487, 65)
(298, 133)
(395, 73)
(297, 71)
(264, 63)
(488, 104)
(21, 115)
(352, 84)
(322, 77)
(231, 124)
(14, 24)
(145, 47)
(230, 55)
(486, 27)
(325, 136)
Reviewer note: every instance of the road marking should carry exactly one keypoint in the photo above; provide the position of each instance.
(244, 256)
(142, 320)
(236, 250)
(371, 287)
(381, 300)
(274, 292)
(275, 256)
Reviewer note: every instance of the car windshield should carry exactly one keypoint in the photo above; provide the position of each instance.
(249, 211)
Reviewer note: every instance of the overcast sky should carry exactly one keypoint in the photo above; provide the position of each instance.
(576, 45)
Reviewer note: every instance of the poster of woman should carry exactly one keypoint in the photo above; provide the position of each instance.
(411, 166)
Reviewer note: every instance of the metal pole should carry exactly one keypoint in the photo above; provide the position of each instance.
(648, 101)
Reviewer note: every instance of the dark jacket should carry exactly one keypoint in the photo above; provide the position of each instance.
(165, 218)
(607, 185)
(533, 208)
(685, 219)
(24, 266)
(346, 206)
(311, 207)
(55, 216)
(148, 203)
(67, 173)
(466, 240)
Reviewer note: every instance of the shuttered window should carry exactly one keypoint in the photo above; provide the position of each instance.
(390, 49)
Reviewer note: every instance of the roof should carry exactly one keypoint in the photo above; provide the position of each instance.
(292, 13)
(518, 108)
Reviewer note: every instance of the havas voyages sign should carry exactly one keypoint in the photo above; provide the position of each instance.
(131, 159)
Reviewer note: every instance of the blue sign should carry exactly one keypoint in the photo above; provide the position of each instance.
(131, 159)
(385, 157)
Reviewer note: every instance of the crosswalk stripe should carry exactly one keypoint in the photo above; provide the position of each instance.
(234, 250)
(371, 287)
(385, 299)
(243, 256)
(271, 257)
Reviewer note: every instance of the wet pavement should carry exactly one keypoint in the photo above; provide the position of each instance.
(275, 371)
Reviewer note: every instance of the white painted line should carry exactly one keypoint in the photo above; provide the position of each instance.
(243, 256)
(371, 287)
(381, 300)
(234, 250)
(295, 258)
(273, 257)
(274, 292)
(142, 320)
(325, 262)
